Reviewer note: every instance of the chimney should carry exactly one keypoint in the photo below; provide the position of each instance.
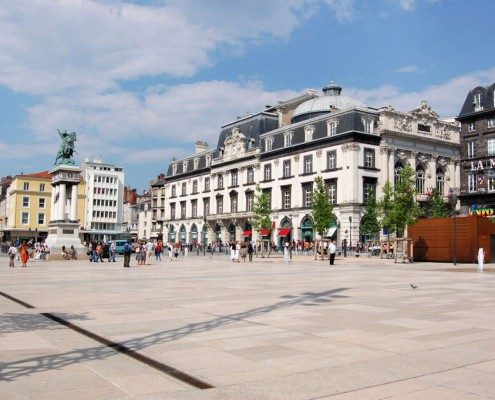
(201, 147)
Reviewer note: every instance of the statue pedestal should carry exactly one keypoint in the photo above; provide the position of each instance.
(63, 229)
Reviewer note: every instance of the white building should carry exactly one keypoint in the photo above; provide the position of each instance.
(354, 148)
(104, 199)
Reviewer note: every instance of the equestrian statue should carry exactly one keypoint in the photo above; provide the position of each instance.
(66, 150)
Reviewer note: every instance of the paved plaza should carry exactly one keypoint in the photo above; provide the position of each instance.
(261, 330)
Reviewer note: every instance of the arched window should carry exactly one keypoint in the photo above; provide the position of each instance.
(420, 179)
(440, 181)
(399, 166)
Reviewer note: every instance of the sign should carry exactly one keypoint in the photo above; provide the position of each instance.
(482, 211)
(482, 164)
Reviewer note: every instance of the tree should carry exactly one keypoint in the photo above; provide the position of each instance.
(385, 208)
(398, 206)
(262, 209)
(436, 206)
(322, 212)
(369, 224)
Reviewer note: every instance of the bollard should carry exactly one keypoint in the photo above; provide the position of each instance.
(481, 259)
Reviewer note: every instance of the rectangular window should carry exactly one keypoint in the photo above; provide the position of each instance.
(172, 211)
(490, 123)
(184, 188)
(220, 181)
(195, 186)
(183, 210)
(26, 186)
(233, 178)
(286, 198)
(471, 149)
(233, 203)
(307, 196)
(490, 146)
(477, 102)
(194, 208)
(25, 201)
(174, 191)
(41, 202)
(25, 218)
(368, 190)
(332, 128)
(332, 191)
(42, 187)
(308, 164)
(206, 206)
(369, 158)
(207, 184)
(268, 172)
(287, 139)
(491, 181)
(41, 218)
(250, 175)
(219, 205)
(268, 144)
(472, 182)
(331, 159)
(471, 127)
(368, 125)
(249, 201)
(286, 168)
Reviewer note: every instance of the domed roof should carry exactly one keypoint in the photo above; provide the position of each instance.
(332, 99)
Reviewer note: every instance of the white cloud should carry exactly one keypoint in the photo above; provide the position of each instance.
(406, 5)
(445, 98)
(409, 69)
(344, 10)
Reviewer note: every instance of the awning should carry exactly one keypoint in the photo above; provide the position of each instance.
(284, 232)
(265, 232)
(330, 232)
(247, 233)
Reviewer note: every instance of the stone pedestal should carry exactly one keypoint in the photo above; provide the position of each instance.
(63, 228)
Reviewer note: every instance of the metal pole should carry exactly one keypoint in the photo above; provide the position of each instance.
(455, 239)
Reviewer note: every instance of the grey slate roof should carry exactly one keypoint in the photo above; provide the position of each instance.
(486, 100)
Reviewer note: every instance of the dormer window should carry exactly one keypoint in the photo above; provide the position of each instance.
(368, 125)
(332, 127)
(174, 169)
(477, 102)
(208, 160)
(471, 127)
(308, 133)
(184, 166)
(196, 163)
(268, 144)
(287, 139)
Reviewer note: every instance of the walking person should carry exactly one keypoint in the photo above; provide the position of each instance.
(150, 247)
(237, 251)
(232, 251)
(250, 251)
(24, 253)
(332, 248)
(158, 251)
(127, 254)
(12, 252)
(111, 251)
(286, 252)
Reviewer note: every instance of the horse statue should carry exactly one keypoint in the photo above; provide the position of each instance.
(66, 150)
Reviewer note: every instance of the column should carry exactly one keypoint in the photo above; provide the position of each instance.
(73, 204)
(53, 211)
(62, 198)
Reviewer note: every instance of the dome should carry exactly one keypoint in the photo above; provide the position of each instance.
(332, 99)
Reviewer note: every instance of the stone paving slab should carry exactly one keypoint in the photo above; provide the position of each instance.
(261, 330)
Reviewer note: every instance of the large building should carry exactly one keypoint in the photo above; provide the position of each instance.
(477, 118)
(28, 207)
(354, 148)
(104, 199)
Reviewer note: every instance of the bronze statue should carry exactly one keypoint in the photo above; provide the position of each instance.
(66, 150)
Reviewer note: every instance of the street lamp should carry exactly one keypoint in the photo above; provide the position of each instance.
(204, 235)
(290, 244)
(350, 233)
(345, 243)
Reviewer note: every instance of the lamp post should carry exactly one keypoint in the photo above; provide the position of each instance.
(290, 243)
(453, 203)
(350, 233)
(204, 235)
(345, 244)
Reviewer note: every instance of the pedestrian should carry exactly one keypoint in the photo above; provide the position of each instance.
(237, 251)
(332, 248)
(12, 253)
(232, 251)
(112, 251)
(127, 254)
(286, 252)
(24, 253)
(158, 251)
(170, 252)
(250, 251)
(150, 247)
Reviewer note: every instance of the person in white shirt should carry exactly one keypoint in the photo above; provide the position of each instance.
(333, 249)
(286, 252)
(237, 251)
(149, 251)
(12, 253)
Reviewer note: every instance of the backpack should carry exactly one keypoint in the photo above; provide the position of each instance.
(127, 248)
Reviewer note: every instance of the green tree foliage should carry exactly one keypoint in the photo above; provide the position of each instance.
(436, 207)
(369, 224)
(322, 212)
(399, 208)
(262, 209)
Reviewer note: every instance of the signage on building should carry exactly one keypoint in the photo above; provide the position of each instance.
(482, 211)
(483, 164)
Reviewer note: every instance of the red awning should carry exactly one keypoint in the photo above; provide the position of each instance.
(284, 232)
(265, 232)
(247, 233)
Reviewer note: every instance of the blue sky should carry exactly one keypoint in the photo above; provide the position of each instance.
(141, 81)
